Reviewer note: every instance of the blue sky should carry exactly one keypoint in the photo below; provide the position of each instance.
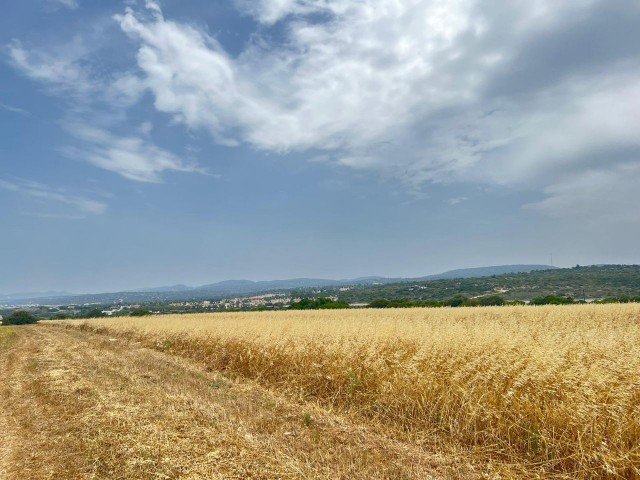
(152, 143)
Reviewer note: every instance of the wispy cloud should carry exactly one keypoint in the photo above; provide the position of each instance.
(64, 72)
(81, 206)
(70, 4)
(595, 196)
(456, 200)
(60, 71)
(12, 109)
(129, 156)
(101, 99)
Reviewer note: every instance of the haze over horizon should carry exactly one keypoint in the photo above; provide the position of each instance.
(157, 143)
(58, 293)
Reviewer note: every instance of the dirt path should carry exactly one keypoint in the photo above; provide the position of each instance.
(79, 405)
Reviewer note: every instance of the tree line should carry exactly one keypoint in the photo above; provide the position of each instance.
(21, 317)
(321, 303)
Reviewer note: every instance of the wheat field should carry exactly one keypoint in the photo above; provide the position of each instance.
(555, 390)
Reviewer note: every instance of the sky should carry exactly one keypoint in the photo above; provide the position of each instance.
(192, 141)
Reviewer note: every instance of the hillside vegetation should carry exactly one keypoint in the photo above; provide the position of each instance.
(578, 283)
(548, 390)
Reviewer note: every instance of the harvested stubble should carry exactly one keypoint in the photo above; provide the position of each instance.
(551, 388)
(6, 334)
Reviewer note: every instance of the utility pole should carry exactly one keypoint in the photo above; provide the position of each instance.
(551, 259)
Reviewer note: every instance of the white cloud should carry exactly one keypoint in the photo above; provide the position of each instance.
(70, 4)
(145, 128)
(572, 128)
(62, 73)
(271, 11)
(376, 70)
(11, 109)
(456, 200)
(101, 99)
(598, 196)
(337, 85)
(405, 88)
(131, 157)
(81, 205)
(525, 94)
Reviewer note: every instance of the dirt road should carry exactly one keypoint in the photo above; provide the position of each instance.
(80, 405)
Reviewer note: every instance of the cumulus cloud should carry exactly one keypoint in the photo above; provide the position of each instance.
(81, 206)
(533, 95)
(335, 85)
(129, 156)
(424, 91)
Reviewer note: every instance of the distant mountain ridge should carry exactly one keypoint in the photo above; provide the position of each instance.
(579, 282)
(172, 288)
(243, 287)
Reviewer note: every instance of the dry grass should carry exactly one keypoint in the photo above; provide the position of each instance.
(553, 389)
(81, 406)
(6, 335)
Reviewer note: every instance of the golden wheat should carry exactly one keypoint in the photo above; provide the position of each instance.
(553, 388)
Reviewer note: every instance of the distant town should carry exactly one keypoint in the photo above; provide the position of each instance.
(579, 284)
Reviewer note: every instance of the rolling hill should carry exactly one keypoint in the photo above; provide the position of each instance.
(592, 282)
(245, 287)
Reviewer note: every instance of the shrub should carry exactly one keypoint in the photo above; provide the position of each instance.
(317, 304)
(456, 301)
(492, 300)
(380, 303)
(551, 300)
(19, 317)
(140, 312)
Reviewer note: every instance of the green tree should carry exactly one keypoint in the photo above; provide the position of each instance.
(319, 303)
(140, 312)
(95, 313)
(492, 300)
(19, 317)
(456, 301)
(551, 300)
(380, 303)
